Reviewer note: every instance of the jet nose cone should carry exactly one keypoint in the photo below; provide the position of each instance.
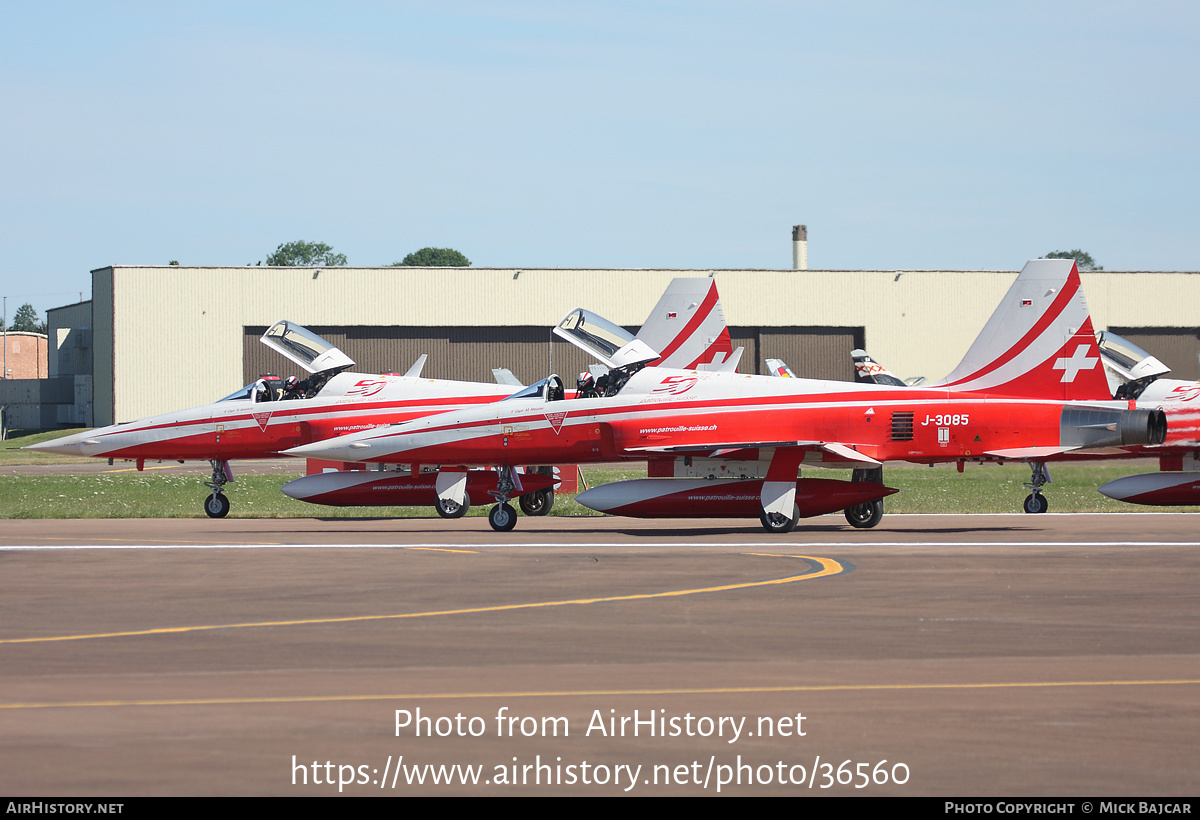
(78, 444)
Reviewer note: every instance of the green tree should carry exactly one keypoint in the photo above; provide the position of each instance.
(26, 319)
(301, 254)
(1082, 258)
(434, 258)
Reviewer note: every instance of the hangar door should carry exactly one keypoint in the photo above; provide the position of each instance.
(461, 353)
(811, 352)
(470, 353)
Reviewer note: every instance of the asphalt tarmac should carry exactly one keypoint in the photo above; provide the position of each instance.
(1011, 655)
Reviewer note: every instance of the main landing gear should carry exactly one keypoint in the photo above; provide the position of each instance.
(537, 502)
(778, 522)
(1035, 502)
(866, 515)
(448, 508)
(217, 505)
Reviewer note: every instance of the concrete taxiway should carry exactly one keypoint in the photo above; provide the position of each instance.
(934, 655)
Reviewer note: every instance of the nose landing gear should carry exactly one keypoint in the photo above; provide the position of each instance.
(1035, 502)
(217, 505)
(502, 516)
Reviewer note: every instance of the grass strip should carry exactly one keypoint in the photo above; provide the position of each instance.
(125, 493)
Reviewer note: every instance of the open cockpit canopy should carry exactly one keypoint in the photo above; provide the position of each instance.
(1128, 368)
(1127, 359)
(305, 348)
(607, 342)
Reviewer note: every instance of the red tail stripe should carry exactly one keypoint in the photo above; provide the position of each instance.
(723, 343)
(1057, 307)
(706, 306)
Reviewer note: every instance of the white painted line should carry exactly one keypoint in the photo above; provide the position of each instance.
(789, 546)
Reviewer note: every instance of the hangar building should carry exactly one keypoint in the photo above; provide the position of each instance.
(161, 338)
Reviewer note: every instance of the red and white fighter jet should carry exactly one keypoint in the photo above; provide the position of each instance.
(1044, 394)
(1131, 374)
(259, 421)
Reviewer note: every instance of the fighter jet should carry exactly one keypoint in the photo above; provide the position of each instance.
(267, 417)
(1130, 373)
(1045, 394)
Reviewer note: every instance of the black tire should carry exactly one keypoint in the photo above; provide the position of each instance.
(502, 518)
(448, 509)
(1036, 504)
(866, 515)
(216, 506)
(537, 502)
(776, 523)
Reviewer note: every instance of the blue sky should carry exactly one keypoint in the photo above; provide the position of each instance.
(648, 134)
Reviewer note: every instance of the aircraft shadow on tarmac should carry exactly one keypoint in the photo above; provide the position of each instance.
(803, 530)
(732, 529)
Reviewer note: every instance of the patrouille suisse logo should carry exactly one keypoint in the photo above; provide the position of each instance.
(556, 419)
(262, 419)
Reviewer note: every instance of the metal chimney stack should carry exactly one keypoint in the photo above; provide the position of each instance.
(799, 247)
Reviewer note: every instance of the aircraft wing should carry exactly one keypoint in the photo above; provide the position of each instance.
(1036, 453)
(833, 452)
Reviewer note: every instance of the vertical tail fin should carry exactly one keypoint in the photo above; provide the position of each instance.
(688, 326)
(1039, 343)
(870, 371)
(778, 367)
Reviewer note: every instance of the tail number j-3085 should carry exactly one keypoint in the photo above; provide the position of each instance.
(948, 420)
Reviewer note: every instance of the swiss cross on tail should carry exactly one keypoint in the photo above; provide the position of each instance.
(556, 419)
(262, 419)
(1039, 343)
(1073, 372)
(1079, 360)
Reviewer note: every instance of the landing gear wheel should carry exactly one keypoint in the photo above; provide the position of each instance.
(216, 505)
(537, 502)
(866, 515)
(1039, 477)
(451, 509)
(777, 522)
(502, 517)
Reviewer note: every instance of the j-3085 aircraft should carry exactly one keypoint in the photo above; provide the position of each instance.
(1044, 393)
(1130, 374)
(261, 421)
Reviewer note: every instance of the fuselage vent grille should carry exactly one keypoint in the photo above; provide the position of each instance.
(902, 426)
